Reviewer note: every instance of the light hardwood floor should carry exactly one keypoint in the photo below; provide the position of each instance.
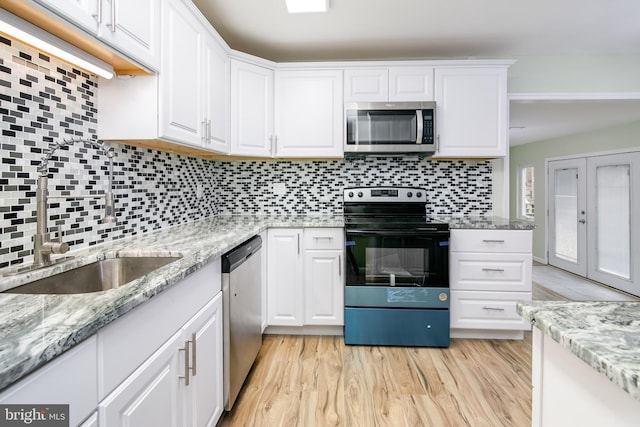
(318, 381)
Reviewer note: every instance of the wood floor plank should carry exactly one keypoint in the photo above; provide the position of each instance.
(318, 381)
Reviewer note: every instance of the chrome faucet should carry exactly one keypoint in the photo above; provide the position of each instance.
(43, 246)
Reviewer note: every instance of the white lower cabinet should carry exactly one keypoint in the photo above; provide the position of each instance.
(284, 277)
(151, 395)
(323, 290)
(489, 271)
(305, 283)
(204, 393)
(70, 379)
(92, 421)
(180, 384)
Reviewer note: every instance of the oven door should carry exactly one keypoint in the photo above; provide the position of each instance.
(397, 258)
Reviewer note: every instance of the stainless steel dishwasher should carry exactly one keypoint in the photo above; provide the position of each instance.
(242, 314)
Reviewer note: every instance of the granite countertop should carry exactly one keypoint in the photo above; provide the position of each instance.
(605, 335)
(485, 223)
(36, 328)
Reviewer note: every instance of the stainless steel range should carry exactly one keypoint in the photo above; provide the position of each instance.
(397, 281)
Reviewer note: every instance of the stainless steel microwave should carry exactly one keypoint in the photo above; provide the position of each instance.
(390, 128)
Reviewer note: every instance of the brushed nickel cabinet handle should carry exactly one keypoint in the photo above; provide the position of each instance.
(339, 265)
(500, 270)
(186, 363)
(492, 241)
(493, 308)
(193, 354)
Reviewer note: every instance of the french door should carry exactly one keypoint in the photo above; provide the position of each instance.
(593, 230)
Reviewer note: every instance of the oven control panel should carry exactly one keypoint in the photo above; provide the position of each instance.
(385, 194)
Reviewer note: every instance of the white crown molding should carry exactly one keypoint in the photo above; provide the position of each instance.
(573, 96)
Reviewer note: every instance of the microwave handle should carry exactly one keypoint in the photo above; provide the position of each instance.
(420, 131)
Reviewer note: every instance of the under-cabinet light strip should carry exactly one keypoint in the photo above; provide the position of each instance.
(27, 33)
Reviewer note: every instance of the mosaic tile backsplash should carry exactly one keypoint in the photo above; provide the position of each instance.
(453, 187)
(44, 100)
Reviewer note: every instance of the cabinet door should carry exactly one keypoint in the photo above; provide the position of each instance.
(408, 84)
(204, 392)
(366, 85)
(309, 113)
(71, 379)
(471, 112)
(83, 13)
(251, 109)
(216, 96)
(151, 395)
(284, 277)
(180, 79)
(323, 288)
(133, 27)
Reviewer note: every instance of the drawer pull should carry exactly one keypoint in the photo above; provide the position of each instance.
(492, 241)
(493, 308)
(499, 270)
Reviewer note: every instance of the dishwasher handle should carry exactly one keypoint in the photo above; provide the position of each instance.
(236, 256)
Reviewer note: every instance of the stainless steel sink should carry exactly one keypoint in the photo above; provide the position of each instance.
(98, 276)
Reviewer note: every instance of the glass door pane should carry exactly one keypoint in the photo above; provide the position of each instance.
(567, 188)
(613, 220)
(566, 214)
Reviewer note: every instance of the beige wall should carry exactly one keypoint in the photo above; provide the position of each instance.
(575, 73)
(536, 153)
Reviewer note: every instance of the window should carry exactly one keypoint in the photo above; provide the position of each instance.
(525, 194)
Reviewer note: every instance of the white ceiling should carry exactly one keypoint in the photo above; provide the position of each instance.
(430, 29)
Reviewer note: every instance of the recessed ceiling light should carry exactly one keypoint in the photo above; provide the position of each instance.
(305, 6)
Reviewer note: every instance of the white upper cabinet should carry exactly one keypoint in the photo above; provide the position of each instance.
(366, 85)
(216, 96)
(187, 102)
(411, 84)
(471, 114)
(83, 13)
(251, 109)
(194, 81)
(131, 27)
(308, 113)
(393, 84)
(181, 78)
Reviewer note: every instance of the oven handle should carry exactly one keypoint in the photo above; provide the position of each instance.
(422, 230)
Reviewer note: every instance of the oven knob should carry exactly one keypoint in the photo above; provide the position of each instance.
(443, 296)
(350, 194)
(360, 194)
(409, 194)
(418, 194)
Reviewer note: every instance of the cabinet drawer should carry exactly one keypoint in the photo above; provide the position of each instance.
(323, 238)
(490, 272)
(495, 241)
(487, 310)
